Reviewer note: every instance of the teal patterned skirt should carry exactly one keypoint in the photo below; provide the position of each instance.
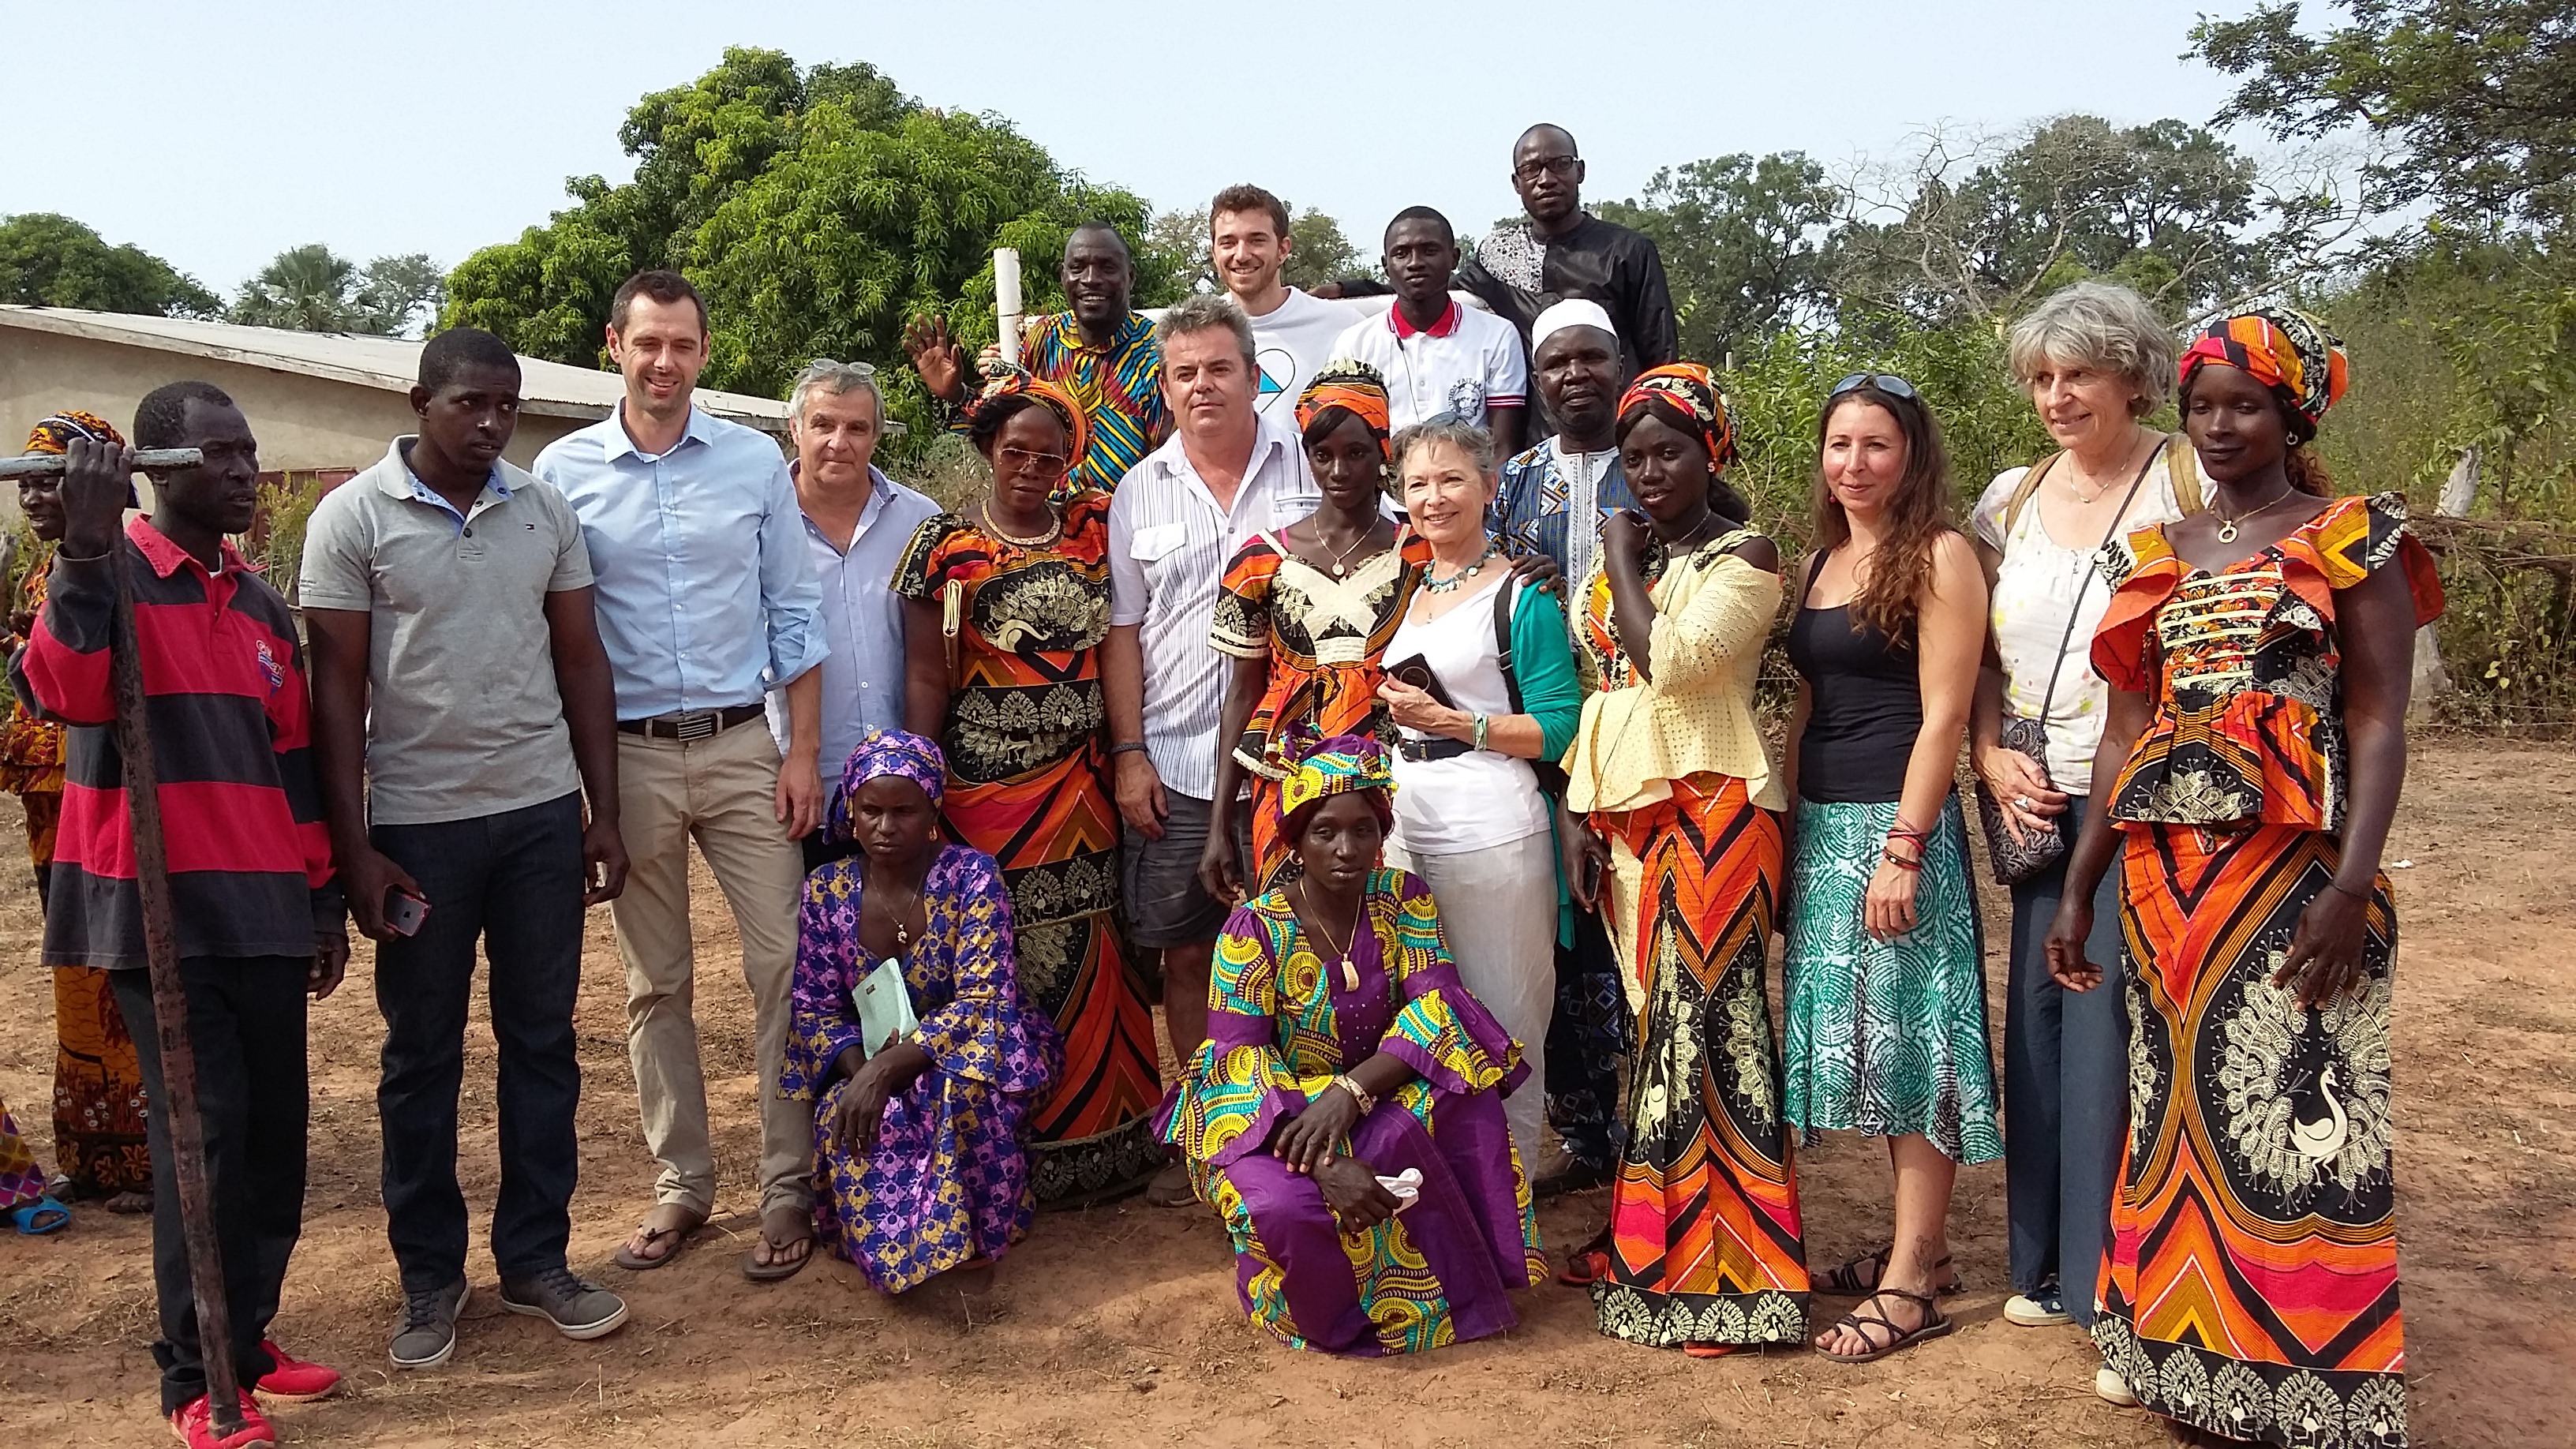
(1887, 1038)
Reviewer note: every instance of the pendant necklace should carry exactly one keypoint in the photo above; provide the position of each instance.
(902, 918)
(2227, 525)
(1350, 973)
(1341, 557)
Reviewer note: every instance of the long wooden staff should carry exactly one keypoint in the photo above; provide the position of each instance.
(178, 1099)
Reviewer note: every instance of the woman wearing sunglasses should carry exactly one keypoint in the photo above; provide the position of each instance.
(1009, 603)
(1886, 1014)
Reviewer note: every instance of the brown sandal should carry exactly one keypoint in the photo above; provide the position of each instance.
(775, 1271)
(1860, 1321)
(1844, 1280)
(626, 1257)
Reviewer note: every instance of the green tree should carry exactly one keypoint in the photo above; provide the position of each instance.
(1318, 252)
(1745, 244)
(314, 289)
(815, 208)
(2166, 207)
(2477, 97)
(48, 260)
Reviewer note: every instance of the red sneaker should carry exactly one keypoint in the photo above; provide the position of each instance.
(195, 1426)
(294, 1381)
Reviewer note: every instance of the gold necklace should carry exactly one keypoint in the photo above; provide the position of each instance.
(1055, 528)
(902, 918)
(1350, 973)
(1341, 557)
(2227, 525)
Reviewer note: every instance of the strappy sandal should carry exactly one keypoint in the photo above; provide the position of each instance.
(1861, 1321)
(626, 1257)
(1844, 1280)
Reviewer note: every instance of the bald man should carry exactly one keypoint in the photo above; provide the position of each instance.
(1102, 351)
(1558, 250)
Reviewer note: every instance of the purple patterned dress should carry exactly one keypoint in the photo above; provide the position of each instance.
(948, 1180)
(1279, 1027)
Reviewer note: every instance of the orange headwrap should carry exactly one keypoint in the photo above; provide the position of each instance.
(2289, 352)
(1019, 382)
(1691, 390)
(1355, 388)
(55, 434)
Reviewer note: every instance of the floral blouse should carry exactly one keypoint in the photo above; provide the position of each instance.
(2246, 668)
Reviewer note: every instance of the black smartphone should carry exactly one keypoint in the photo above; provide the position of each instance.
(1416, 672)
(1592, 879)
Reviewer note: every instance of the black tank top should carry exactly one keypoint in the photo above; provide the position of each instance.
(1865, 705)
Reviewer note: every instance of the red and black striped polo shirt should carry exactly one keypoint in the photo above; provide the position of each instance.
(231, 723)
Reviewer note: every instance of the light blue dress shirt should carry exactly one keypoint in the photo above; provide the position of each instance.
(863, 680)
(705, 588)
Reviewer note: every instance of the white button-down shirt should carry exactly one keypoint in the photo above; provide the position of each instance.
(1169, 544)
(862, 620)
(706, 596)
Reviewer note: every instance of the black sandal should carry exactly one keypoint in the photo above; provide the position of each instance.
(1844, 1280)
(1860, 1321)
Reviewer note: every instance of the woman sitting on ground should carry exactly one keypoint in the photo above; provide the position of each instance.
(919, 1164)
(1342, 1056)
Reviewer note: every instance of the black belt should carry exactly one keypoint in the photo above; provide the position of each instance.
(1439, 749)
(704, 724)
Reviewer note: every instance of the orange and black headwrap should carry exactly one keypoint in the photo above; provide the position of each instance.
(1020, 382)
(1345, 386)
(2289, 352)
(1686, 391)
(55, 434)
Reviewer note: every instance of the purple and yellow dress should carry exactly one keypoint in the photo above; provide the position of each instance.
(948, 1179)
(1280, 1026)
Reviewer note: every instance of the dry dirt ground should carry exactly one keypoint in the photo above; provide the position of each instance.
(1117, 1325)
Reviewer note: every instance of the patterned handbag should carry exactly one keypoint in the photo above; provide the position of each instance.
(2015, 861)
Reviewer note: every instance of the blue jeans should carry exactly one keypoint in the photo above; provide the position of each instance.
(512, 881)
(2066, 1091)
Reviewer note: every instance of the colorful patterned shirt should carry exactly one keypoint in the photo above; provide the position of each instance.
(1120, 388)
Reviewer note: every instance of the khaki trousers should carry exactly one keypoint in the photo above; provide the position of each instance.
(721, 791)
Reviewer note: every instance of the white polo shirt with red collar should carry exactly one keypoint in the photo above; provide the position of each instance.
(1467, 364)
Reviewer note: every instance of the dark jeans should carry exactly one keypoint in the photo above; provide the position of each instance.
(2066, 1091)
(246, 1025)
(1585, 1040)
(513, 881)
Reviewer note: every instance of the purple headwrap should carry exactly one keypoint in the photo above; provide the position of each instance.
(886, 752)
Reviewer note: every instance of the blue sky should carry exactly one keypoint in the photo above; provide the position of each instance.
(231, 131)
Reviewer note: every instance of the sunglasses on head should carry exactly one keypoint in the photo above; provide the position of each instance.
(1886, 382)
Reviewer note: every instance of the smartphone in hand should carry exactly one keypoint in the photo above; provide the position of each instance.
(404, 912)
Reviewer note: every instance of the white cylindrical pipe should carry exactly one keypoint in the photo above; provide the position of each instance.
(1006, 300)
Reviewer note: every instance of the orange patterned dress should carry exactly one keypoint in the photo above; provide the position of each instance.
(2250, 1286)
(1028, 786)
(1326, 636)
(98, 1085)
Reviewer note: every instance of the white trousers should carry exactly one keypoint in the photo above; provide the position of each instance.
(1498, 911)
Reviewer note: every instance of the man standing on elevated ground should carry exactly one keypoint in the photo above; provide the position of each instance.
(1439, 359)
(1101, 351)
(1292, 331)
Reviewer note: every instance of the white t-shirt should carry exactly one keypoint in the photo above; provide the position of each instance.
(1484, 797)
(1292, 344)
(2036, 585)
(1468, 363)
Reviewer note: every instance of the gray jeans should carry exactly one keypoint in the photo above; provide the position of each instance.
(2066, 1091)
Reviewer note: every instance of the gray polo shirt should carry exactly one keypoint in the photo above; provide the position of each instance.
(465, 719)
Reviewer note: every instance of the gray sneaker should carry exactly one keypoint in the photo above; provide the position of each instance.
(578, 1308)
(426, 1333)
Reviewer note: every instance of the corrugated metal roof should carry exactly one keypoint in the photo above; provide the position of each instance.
(389, 363)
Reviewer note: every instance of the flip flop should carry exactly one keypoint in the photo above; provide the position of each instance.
(45, 1215)
(1935, 1324)
(760, 1272)
(626, 1257)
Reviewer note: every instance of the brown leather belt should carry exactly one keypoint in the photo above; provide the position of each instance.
(703, 724)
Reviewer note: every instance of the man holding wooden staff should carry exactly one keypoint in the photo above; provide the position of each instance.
(257, 916)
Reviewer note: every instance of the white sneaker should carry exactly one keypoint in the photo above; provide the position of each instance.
(2113, 1389)
(2043, 1309)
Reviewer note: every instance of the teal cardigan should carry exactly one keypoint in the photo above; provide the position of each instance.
(1543, 665)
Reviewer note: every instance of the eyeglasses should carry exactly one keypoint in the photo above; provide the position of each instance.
(1021, 460)
(1886, 382)
(1560, 167)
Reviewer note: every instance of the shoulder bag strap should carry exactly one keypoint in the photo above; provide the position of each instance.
(2023, 491)
(2182, 466)
(1506, 599)
(2085, 581)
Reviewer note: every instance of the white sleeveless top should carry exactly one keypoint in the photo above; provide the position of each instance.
(1481, 798)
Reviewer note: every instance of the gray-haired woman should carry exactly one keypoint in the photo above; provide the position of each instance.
(2097, 360)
